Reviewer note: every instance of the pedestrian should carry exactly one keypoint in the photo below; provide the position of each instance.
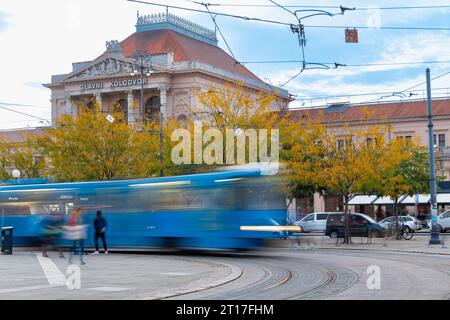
(47, 234)
(75, 233)
(100, 231)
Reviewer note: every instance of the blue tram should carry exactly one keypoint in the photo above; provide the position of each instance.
(202, 211)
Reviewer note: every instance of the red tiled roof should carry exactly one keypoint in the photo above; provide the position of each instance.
(381, 111)
(185, 49)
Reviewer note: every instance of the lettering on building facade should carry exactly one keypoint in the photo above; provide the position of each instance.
(112, 84)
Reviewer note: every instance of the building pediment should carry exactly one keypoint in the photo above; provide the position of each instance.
(108, 65)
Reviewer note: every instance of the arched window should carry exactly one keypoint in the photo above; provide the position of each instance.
(91, 103)
(152, 108)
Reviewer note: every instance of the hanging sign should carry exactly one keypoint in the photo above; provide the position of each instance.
(351, 35)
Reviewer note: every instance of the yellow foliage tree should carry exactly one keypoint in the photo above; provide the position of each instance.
(404, 170)
(233, 109)
(4, 172)
(340, 157)
(27, 158)
(93, 148)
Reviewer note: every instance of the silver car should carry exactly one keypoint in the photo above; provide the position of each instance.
(314, 222)
(411, 222)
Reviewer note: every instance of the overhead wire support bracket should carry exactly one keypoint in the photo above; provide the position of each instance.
(299, 29)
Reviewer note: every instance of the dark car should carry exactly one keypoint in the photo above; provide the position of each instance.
(360, 226)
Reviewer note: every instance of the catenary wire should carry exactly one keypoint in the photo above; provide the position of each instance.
(23, 113)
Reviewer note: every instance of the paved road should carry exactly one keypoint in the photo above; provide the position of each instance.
(287, 273)
(335, 274)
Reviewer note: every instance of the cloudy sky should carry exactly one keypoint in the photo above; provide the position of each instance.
(41, 38)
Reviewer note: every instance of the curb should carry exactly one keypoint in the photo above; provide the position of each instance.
(364, 249)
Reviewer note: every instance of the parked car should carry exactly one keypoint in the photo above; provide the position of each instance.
(361, 225)
(443, 222)
(407, 221)
(313, 222)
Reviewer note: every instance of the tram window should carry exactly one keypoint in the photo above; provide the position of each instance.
(15, 209)
(145, 199)
(258, 197)
(35, 203)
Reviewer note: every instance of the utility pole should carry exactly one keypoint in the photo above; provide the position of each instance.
(142, 87)
(142, 62)
(161, 143)
(434, 234)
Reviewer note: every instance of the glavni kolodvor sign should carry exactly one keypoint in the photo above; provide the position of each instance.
(112, 84)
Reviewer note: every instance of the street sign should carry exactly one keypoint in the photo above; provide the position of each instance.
(351, 36)
(110, 118)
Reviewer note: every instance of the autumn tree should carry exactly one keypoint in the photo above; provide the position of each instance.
(27, 157)
(91, 147)
(301, 151)
(238, 113)
(336, 156)
(4, 172)
(403, 171)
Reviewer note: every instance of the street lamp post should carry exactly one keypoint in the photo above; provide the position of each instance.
(434, 234)
(143, 58)
(142, 61)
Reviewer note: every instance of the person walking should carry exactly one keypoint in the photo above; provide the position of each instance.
(100, 231)
(75, 231)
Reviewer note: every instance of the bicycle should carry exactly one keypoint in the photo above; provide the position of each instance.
(399, 231)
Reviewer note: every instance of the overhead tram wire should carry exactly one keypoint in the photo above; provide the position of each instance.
(400, 93)
(349, 65)
(22, 105)
(393, 94)
(329, 7)
(326, 97)
(212, 12)
(213, 18)
(23, 113)
(379, 28)
(290, 24)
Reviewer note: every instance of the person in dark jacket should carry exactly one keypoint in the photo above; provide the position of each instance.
(100, 231)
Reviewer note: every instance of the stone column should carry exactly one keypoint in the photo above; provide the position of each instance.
(130, 102)
(319, 202)
(98, 98)
(68, 105)
(54, 102)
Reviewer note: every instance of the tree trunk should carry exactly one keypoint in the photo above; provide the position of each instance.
(397, 234)
(347, 235)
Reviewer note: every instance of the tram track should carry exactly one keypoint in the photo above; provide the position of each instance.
(313, 275)
(294, 280)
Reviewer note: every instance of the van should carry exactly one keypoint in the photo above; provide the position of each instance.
(360, 226)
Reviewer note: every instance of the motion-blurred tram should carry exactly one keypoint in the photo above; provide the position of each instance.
(221, 210)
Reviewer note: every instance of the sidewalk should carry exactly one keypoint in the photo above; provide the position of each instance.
(115, 276)
(418, 244)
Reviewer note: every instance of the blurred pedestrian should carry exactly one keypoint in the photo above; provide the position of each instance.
(100, 231)
(47, 234)
(75, 233)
